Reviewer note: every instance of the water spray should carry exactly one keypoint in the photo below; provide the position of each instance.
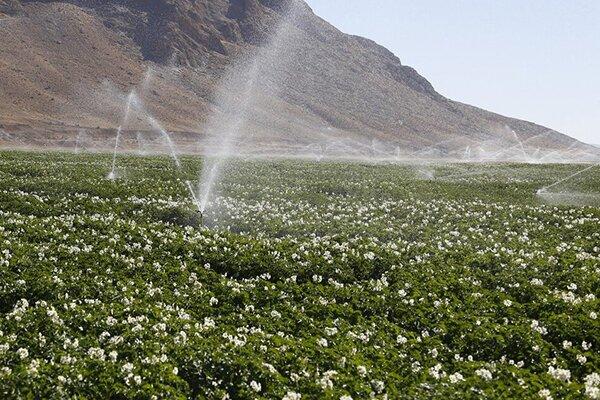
(165, 135)
(139, 139)
(237, 95)
(544, 190)
(78, 140)
(130, 100)
(195, 200)
(520, 144)
(133, 101)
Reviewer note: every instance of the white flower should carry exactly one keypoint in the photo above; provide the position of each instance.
(536, 326)
(507, 303)
(369, 255)
(66, 359)
(591, 386)
(270, 368)
(97, 353)
(566, 344)
(592, 392)
(456, 377)
(545, 394)
(32, 369)
(401, 339)
(378, 386)
(23, 353)
(592, 379)
(416, 366)
(362, 371)
(581, 359)
(322, 342)
(213, 301)
(484, 374)
(255, 386)
(326, 383)
(560, 374)
(292, 396)
(175, 371)
(593, 315)
(137, 379)
(346, 397)
(127, 367)
(331, 331)
(436, 371)
(586, 346)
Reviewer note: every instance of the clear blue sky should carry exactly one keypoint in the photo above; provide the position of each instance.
(537, 60)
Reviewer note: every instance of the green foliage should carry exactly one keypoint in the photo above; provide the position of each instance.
(321, 279)
(180, 216)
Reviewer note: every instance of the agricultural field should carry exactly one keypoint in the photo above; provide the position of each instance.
(305, 280)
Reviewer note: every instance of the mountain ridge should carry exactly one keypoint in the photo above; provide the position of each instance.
(64, 54)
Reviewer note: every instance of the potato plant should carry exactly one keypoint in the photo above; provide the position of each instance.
(306, 280)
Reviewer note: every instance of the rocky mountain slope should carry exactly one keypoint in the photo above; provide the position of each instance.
(68, 65)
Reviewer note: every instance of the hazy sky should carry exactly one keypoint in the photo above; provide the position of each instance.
(538, 60)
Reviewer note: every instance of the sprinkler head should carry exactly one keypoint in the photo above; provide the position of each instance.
(200, 215)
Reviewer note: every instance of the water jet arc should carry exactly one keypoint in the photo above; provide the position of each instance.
(544, 190)
(130, 99)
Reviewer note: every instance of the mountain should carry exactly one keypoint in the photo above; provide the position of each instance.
(66, 67)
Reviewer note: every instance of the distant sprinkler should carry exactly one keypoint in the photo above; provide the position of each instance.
(584, 170)
(195, 200)
(200, 216)
(468, 153)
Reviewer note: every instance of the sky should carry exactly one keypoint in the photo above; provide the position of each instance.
(537, 60)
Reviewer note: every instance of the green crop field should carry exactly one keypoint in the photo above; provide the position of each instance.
(305, 280)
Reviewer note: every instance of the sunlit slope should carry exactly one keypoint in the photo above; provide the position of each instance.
(68, 63)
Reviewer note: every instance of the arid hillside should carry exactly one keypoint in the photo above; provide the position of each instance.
(67, 66)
